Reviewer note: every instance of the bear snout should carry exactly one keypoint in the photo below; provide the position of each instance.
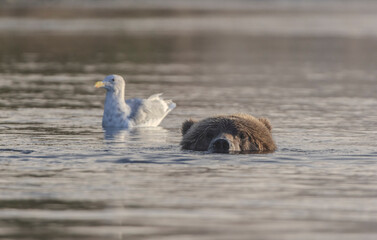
(221, 146)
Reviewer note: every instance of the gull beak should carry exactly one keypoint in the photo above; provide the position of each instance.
(99, 84)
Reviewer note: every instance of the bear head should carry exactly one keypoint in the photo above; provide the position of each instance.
(228, 134)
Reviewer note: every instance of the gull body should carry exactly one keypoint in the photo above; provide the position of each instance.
(135, 112)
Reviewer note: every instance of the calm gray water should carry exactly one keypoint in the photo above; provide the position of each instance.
(313, 75)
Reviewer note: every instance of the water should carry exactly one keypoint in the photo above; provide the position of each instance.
(64, 177)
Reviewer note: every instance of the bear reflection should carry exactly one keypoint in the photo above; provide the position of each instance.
(228, 134)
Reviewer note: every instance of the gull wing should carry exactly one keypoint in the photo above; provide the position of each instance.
(149, 112)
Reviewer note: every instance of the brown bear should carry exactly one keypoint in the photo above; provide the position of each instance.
(228, 134)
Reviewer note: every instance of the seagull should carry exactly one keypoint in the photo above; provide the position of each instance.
(134, 112)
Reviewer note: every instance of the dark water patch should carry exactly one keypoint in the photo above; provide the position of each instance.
(191, 171)
(293, 150)
(265, 161)
(290, 158)
(183, 160)
(56, 82)
(16, 150)
(50, 131)
(308, 151)
(49, 104)
(35, 175)
(37, 229)
(121, 161)
(16, 157)
(127, 160)
(247, 152)
(22, 123)
(50, 204)
(140, 11)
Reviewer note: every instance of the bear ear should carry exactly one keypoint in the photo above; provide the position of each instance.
(186, 125)
(266, 123)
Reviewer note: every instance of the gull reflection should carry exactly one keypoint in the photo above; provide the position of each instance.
(137, 134)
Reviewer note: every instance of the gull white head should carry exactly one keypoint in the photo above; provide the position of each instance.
(112, 83)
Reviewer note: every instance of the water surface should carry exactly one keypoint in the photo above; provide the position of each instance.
(64, 177)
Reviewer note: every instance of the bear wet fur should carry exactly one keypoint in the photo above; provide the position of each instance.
(228, 133)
